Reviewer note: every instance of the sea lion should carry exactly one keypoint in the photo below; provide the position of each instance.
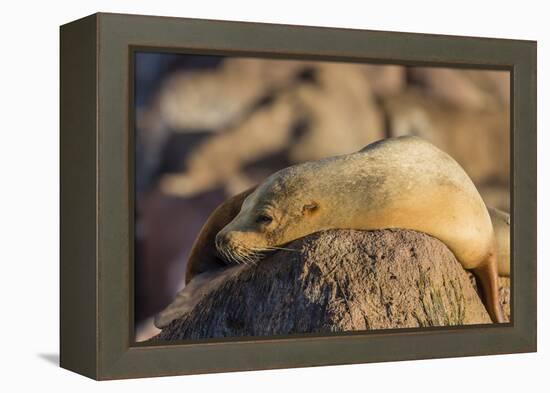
(400, 182)
(501, 227)
(204, 256)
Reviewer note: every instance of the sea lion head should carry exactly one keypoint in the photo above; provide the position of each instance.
(280, 210)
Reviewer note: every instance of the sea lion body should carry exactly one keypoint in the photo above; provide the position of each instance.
(396, 183)
(400, 182)
(501, 227)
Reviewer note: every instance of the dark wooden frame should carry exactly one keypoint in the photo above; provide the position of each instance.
(97, 194)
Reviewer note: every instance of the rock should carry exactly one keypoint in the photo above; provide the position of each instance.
(223, 156)
(341, 113)
(386, 79)
(335, 281)
(214, 99)
(504, 296)
(466, 89)
(301, 120)
(453, 130)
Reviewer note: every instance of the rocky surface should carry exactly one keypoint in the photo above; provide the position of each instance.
(338, 280)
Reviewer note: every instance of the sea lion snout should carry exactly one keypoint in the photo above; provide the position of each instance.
(223, 243)
(222, 240)
(225, 240)
(234, 246)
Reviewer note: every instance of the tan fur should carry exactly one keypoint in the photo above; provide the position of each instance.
(396, 183)
(501, 227)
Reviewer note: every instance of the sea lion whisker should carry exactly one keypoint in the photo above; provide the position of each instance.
(233, 256)
(282, 248)
(230, 258)
(243, 255)
(271, 248)
(251, 256)
(225, 254)
(243, 259)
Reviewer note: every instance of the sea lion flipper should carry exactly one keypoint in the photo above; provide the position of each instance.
(487, 274)
(203, 256)
(192, 293)
(501, 228)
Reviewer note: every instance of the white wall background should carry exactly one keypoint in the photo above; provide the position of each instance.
(29, 194)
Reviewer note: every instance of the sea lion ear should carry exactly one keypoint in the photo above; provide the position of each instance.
(310, 208)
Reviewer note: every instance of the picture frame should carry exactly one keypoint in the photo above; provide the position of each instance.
(97, 206)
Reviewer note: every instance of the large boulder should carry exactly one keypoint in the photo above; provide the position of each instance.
(334, 281)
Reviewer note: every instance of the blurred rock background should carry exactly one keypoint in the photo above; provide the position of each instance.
(208, 127)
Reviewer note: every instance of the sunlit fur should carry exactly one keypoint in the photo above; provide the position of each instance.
(395, 183)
